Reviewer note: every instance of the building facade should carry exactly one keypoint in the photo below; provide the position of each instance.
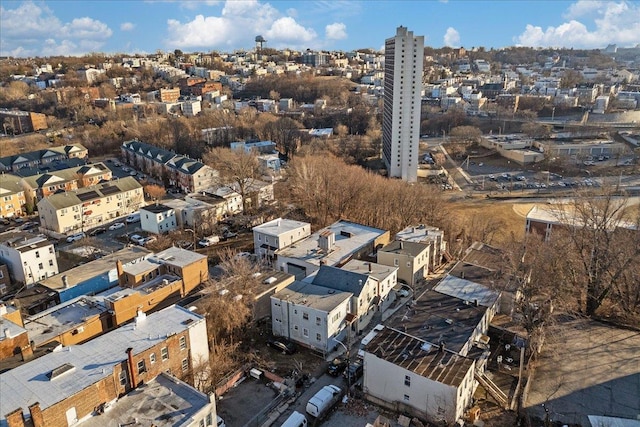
(89, 207)
(158, 219)
(12, 196)
(29, 258)
(43, 157)
(404, 56)
(277, 234)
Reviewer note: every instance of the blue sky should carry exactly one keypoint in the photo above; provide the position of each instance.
(75, 27)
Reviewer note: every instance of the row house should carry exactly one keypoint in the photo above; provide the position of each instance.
(89, 207)
(29, 258)
(78, 383)
(172, 169)
(12, 196)
(44, 185)
(43, 157)
(278, 234)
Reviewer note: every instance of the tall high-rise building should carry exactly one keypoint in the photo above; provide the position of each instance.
(404, 55)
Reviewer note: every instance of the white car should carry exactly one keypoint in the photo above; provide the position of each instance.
(116, 226)
(137, 239)
(75, 237)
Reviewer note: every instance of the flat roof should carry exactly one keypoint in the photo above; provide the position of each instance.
(405, 248)
(349, 238)
(309, 295)
(280, 225)
(467, 290)
(476, 274)
(178, 257)
(91, 362)
(23, 241)
(143, 266)
(377, 271)
(419, 233)
(144, 288)
(50, 323)
(165, 400)
(484, 255)
(419, 356)
(95, 268)
(437, 317)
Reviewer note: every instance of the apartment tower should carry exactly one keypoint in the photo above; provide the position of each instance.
(404, 56)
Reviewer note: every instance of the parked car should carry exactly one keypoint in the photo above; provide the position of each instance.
(74, 237)
(337, 366)
(282, 344)
(208, 241)
(116, 226)
(137, 239)
(29, 225)
(228, 234)
(97, 231)
(4, 221)
(354, 372)
(148, 240)
(135, 217)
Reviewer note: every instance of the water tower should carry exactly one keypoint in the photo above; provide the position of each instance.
(259, 42)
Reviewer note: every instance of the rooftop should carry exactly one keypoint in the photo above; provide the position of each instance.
(436, 317)
(339, 279)
(95, 268)
(349, 238)
(419, 233)
(166, 400)
(156, 208)
(377, 271)
(178, 257)
(409, 248)
(476, 274)
(419, 356)
(309, 295)
(91, 362)
(93, 192)
(467, 290)
(50, 323)
(280, 225)
(484, 255)
(23, 241)
(145, 288)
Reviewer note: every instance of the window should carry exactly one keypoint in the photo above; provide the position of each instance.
(123, 377)
(407, 380)
(152, 358)
(51, 249)
(318, 321)
(50, 263)
(40, 266)
(305, 332)
(37, 254)
(305, 316)
(406, 397)
(185, 365)
(395, 262)
(164, 353)
(141, 367)
(318, 337)
(183, 343)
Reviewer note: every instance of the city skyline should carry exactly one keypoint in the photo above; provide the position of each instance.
(61, 27)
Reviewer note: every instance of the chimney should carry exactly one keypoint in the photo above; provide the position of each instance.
(475, 302)
(370, 268)
(441, 347)
(132, 372)
(140, 316)
(65, 281)
(26, 352)
(36, 415)
(401, 244)
(6, 332)
(3, 309)
(15, 418)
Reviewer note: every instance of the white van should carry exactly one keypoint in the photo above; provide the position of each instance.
(323, 400)
(295, 420)
(208, 241)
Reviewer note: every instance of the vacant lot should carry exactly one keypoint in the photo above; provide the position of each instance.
(587, 368)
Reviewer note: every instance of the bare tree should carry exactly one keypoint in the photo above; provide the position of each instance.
(234, 167)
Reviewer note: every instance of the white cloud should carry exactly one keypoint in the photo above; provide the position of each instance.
(452, 37)
(238, 25)
(27, 31)
(127, 26)
(336, 31)
(601, 23)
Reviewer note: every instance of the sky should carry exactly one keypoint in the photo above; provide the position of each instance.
(77, 27)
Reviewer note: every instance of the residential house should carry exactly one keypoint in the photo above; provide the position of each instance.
(169, 95)
(5, 280)
(89, 207)
(334, 245)
(95, 276)
(158, 219)
(12, 196)
(311, 315)
(13, 335)
(411, 259)
(385, 276)
(362, 287)
(278, 234)
(410, 375)
(30, 258)
(42, 157)
(256, 193)
(44, 185)
(232, 199)
(432, 236)
(189, 175)
(66, 387)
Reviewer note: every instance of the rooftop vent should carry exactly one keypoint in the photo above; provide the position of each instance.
(60, 370)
